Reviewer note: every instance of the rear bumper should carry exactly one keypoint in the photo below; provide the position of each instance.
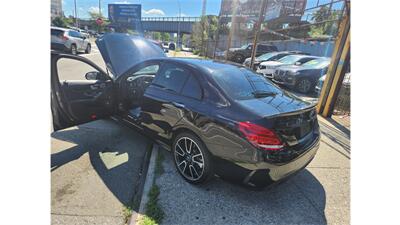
(286, 83)
(263, 174)
(59, 47)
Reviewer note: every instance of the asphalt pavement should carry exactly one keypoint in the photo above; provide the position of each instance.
(320, 194)
(95, 172)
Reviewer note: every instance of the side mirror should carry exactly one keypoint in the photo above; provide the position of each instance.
(297, 63)
(94, 75)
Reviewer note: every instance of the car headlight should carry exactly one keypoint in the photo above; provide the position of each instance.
(289, 77)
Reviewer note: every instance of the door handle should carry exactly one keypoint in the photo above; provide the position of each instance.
(178, 105)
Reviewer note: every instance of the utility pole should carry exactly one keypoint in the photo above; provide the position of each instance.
(257, 31)
(203, 13)
(76, 15)
(217, 34)
(179, 25)
(232, 28)
(100, 8)
(98, 26)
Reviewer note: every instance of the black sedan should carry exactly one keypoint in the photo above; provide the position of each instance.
(216, 118)
(302, 78)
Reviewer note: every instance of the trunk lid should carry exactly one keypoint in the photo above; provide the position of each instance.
(294, 120)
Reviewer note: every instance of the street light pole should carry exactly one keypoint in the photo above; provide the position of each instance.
(257, 31)
(179, 25)
(76, 15)
(100, 8)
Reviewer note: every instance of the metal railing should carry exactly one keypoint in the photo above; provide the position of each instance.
(171, 19)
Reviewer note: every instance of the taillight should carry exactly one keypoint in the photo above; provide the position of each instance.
(65, 38)
(260, 136)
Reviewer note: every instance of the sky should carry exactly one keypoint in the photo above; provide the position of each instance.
(150, 8)
(154, 8)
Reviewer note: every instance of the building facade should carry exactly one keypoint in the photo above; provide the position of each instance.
(56, 8)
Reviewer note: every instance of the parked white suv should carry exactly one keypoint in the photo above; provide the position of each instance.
(68, 40)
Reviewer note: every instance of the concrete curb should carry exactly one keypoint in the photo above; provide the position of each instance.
(137, 216)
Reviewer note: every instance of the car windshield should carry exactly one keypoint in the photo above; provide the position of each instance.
(266, 56)
(290, 59)
(242, 83)
(244, 46)
(317, 63)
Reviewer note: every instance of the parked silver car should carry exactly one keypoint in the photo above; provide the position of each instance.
(68, 40)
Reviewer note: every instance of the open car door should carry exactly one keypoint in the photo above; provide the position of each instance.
(80, 91)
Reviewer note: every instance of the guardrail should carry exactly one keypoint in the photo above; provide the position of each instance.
(172, 19)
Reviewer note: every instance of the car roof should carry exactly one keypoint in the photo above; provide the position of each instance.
(206, 65)
(60, 28)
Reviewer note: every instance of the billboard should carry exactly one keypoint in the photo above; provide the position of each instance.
(124, 13)
(276, 9)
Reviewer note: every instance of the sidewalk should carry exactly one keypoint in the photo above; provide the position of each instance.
(95, 171)
(320, 194)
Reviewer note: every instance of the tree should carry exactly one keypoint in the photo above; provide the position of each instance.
(165, 36)
(61, 22)
(323, 16)
(157, 35)
(204, 30)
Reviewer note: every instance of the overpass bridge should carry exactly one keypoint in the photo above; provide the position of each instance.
(169, 24)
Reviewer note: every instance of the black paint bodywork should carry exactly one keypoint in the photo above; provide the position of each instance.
(282, 74)
(162, 114)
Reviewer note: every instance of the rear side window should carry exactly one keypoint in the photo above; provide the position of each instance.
(57, 33)
(74, 34)
(303, 60)
(192, 88)
(171, 77)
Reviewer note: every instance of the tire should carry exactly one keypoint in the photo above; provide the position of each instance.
(73, 49)
(88, 49)
(193, 161)
(304, 85)
(239, 58)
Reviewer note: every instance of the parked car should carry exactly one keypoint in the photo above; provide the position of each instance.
(213, 117)
(268, 68)
(320, 83)
(240, 54)
(172, 46)
(159, 44)
(302, 78)
(271, 56)
(165, 44)
(68, 40)
(186, 49)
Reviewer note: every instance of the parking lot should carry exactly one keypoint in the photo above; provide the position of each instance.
(96, 169)
(320, 194)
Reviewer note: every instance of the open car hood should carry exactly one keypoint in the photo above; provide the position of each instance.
(122, 51)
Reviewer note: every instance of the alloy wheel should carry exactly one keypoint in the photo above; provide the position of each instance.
(189, 158)
(304, 86)
(73, 50)
(88, 49)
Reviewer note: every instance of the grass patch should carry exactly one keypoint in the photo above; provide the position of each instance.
(153, 212)
(127, 213)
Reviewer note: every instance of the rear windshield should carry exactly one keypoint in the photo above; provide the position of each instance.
(317, 63)
(290, 59)
(241, 83)
(266, 56)
(57, 33)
